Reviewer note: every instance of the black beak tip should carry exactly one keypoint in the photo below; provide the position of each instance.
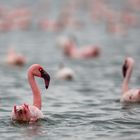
(124, 69)
(46, 87)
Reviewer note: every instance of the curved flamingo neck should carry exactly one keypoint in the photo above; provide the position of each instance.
(35, 90)
(125, 86)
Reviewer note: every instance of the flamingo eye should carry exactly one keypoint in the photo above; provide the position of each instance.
(40, 69)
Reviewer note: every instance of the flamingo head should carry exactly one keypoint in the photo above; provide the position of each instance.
(21, 113)
(127, 63)
(38, 71)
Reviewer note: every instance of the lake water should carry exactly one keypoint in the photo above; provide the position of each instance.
(84, 109)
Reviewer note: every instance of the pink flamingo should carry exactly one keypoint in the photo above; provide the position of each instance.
(128, 18)
(70, 49)
(14, 58)
(31, 113)
(129, 95)
(18, 18)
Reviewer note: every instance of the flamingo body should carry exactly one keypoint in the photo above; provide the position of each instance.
(132, 95)
(32, 113)
(14, 58)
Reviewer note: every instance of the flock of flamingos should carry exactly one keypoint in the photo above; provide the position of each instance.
(20, 18)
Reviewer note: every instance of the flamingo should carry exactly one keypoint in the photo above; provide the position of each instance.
(65, 73)
(31, 113)
(70, 49)
(129, 95)
(14, 58)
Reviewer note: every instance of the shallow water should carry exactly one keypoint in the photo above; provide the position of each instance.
(88, 107)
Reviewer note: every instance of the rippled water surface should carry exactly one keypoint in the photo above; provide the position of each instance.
(84, 109)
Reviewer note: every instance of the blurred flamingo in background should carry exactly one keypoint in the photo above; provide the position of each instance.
(65, 73)
(14, 58)
(31, 113)
(70, 49)
(129, 95)
(47, 24)
(129, 19)
(18, 18)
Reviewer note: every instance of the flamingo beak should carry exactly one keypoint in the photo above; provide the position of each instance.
(46, 78)
(124, 69)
